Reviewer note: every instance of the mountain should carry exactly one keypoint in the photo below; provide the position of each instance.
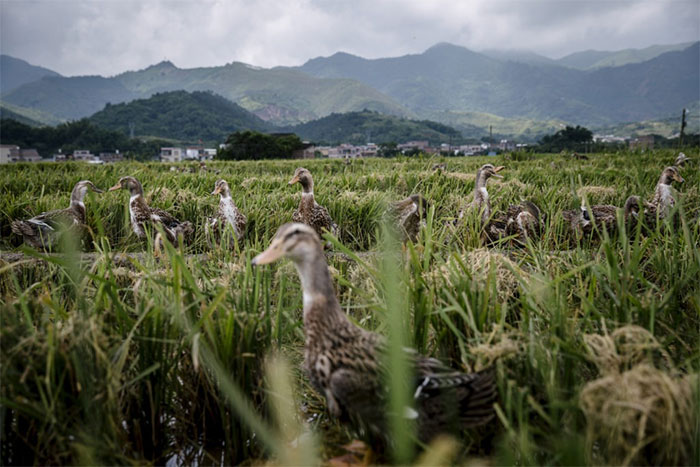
(667, 127)
(476, 125)
(279, 95)
(520, 56)
(29, 117)
(451, 78)
(461, 87)
(180, 115)
(15, 72)
(368, 126)
(591, 59)
(69, 98)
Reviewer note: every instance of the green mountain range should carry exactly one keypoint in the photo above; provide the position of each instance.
(279, 95)
(180, 115)
(451, 78)
(517, 93)
(591, 59)
(189, 117)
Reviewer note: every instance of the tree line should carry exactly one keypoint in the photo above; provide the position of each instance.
(72, 136)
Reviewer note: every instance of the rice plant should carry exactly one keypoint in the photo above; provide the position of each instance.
(113, 356)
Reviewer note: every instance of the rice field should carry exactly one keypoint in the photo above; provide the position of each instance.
(116, 357)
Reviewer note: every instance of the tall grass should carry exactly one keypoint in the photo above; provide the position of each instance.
(111, 359)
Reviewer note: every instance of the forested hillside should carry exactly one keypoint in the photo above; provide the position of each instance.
(180, 115)
(368, 126)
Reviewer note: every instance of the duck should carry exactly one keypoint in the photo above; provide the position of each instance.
(228, 215)
(142, 215)
(43, 231)
(481, 202)
(663, 199)
(681, 160)
(583, 221)
(310, 212)
(409, 214)
(345, 363)
(520, 221)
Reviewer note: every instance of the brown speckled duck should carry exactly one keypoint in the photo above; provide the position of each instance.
(582, 222)
(142, 215)
(43, 231)
(663, 199)
(345, 362)
(521, 221)
(310, 212)
(408, 215)
(228, 216)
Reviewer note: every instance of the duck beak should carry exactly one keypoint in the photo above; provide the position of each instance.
(293, 180)
(118, 186)
(498, 169)
(273, 253)
(216, 191)
(678, 178)
(97, 190)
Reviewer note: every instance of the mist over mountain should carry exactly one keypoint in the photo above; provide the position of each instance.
(15, 72)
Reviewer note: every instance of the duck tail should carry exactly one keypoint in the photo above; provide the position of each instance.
(477, 399)
(22, 228)
(532, 208)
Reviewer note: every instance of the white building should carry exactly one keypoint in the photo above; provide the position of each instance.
(83, 155)
(5, 150)
(171, 154)
(472, 149)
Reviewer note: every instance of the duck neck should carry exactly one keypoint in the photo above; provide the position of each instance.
(664, 195)
(307, 200)
(225, 199)
(77, 196)
(307, 185)
(136, 191)
(321, 307)
(481, 196)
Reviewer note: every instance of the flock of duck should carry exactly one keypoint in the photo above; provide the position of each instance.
(343, 361)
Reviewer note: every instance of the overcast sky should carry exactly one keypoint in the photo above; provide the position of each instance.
(108, 37)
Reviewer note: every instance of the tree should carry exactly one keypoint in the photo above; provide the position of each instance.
(570, 138)
(247, 145)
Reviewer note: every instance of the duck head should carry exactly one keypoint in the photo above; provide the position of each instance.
(680, 160)
(221, 188)
(128, 183)
(669, 175)
(295, 241)
(81, 188)
(487, 171)
(303, 177)
(632, 206)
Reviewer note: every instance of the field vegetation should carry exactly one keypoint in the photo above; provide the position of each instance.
(117, 357)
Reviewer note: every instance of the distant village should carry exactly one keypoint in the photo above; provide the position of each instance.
(12, 153)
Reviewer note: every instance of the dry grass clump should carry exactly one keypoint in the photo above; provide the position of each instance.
(499, 345)
(160, 194)
(461, 176)
(596, 192)
(515, 183)
(636, 412)
(482, 265)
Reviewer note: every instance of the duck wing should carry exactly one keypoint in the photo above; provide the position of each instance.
(42, 231)
(163, 217)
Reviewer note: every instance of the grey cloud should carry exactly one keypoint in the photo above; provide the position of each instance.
(108, 37)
